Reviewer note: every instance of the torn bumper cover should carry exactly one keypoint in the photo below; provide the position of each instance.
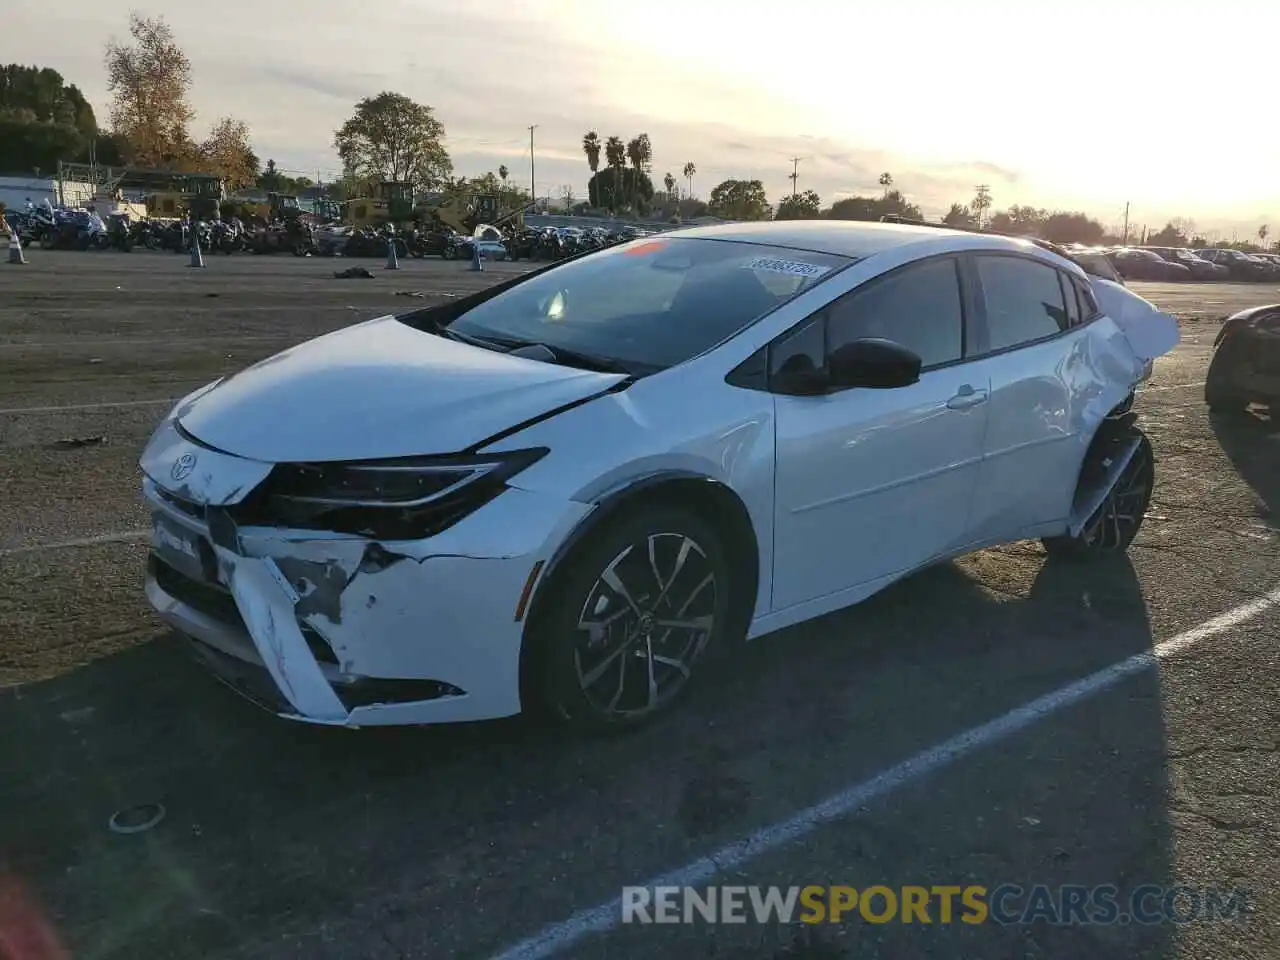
(336, 628)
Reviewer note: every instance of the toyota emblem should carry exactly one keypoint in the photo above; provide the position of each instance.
(183, 466)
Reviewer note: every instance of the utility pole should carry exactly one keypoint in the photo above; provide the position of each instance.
(1125, 238)
(795, 174)
(533, 184)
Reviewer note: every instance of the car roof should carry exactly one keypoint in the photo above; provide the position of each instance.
(846, 238)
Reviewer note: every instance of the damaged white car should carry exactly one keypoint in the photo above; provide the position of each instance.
(572, 490)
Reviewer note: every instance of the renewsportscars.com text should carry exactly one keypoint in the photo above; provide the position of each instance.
(1006, 904)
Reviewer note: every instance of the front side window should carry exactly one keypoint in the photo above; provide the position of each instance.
(918, 307)
(1023, 298)
(651, 303)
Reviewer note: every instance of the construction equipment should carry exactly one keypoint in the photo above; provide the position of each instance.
(277, 206)
(201, 196)
(463, 212)
(393, 204)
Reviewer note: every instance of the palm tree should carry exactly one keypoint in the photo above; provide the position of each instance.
(615, 155)
(633, 154)
(689, 171)
(669, 182)
(591, 147)
(886, 181)
(1262, 234)
(503, 172)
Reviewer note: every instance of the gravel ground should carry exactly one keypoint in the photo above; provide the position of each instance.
(283, 841)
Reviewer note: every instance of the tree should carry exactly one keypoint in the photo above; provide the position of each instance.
(226, 152)
(391, 137)
(689, 171)
(615, 155)
(893, 203)
(1262, 234)
(801, 206)
(609, 188)
(591, 147)
(1024, 221)
(1065, 226)
(740, 200)
(149, 80)
(43, 120)
(669, 182)
(503, 173)
(958, 216)
(886, 181)
(1169, 236)
(640, 153)
(980, 204)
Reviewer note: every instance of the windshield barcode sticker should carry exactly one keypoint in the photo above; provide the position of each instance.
(792, 268)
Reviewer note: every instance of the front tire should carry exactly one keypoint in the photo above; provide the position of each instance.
(634, 612)
(1117, 521)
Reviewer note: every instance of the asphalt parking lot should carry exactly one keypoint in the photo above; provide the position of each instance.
(283, 841)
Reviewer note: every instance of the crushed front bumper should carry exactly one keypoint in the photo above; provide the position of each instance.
(337, 629)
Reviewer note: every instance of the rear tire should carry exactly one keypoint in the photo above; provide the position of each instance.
(1117, 521)
(637, 608)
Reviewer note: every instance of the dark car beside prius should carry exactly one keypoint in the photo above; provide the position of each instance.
(1245, 367)
(1241, 266)
(1133, 263)
(1201, 269)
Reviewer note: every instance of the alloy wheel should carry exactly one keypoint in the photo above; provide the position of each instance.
(644, 624)
(1116, 522)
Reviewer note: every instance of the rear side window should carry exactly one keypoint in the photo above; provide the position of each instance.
(1024, 300)
(1072, 297)
(1088, 301)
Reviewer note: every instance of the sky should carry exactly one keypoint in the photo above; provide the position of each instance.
(1084, 105)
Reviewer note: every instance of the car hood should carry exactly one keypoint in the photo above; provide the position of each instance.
(379, 389)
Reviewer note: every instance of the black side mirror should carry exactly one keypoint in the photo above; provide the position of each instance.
(875, 363)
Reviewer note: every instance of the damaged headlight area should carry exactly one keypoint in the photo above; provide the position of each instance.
(400, 499)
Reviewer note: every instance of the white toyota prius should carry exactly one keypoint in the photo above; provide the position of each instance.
(574, 489)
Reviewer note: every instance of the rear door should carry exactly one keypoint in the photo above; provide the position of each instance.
(1034, 327)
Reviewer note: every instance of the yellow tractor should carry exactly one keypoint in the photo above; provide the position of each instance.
(464, 212)
(393, 204)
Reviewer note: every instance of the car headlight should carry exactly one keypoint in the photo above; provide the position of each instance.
(400, 499)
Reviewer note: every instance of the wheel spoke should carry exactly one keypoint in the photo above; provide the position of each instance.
(697, 623)
(614, 582)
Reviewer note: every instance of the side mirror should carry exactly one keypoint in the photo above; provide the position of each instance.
(875, 363)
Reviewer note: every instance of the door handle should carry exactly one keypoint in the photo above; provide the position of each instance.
(967, 397)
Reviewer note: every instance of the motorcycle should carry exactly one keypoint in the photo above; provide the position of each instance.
(119, 233)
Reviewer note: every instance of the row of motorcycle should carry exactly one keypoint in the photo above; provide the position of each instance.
(84, 230)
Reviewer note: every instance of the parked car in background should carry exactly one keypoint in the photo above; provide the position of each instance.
(1269, 257)
(1094, 261)
(1245, 367)
(1241, 266)
(1134, 263)
(1201, 269)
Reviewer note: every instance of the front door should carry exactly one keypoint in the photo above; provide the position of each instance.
(871, 482)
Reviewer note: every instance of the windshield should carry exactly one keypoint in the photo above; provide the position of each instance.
(648, 304)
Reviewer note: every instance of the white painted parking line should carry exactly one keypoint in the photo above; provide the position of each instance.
(1176, 386)
(73, 408)
(606, 916)
(123, 536)
(150, 342)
